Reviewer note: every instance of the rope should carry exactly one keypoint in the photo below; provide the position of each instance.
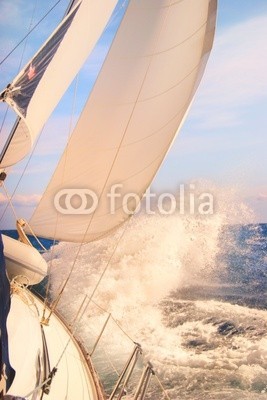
(54, 242)
(105, 311)
(102, 191)
(20, 289)
(110, 362)
(74, 102)
(125, 333)
(162, 387)
(55, 303)
(78, 318)
(103, 272)
(26, 37)
(19, 67)
(78, 312)
(16, 216)
(36, 238)
(9, 199)
(52, 373)
(23, 173)
(30, 31)
(20, 63)
(129, 337)
(26, 41)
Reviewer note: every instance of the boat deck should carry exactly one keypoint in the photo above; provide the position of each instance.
(74, 378)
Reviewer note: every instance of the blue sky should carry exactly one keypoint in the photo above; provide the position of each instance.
(223, 141)
(224, 138)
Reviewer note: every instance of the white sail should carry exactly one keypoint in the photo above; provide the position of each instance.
(138, 103)
(35, 92)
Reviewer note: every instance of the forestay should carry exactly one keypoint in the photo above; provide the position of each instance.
(139, 101)
(37, 89)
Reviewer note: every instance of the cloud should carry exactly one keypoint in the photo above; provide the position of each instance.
(20, 200)
(235, 76)
(12, 30)
(17, 17)
(207, 143)
(262, 197)
(11, 8)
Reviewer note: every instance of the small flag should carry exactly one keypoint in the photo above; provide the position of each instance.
(31, 72)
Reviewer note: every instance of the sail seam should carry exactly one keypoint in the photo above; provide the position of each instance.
(127, 126)
(170, 88)
(64, 154)
(162, 7)
(125, 130)
(167, 90)
(107, 149)
(184, 41)
(57, 299)
(145, 138)
(169, 48)
(160, 129)
(105, 184)
(138, 173)
(161, 93)
(129, 119)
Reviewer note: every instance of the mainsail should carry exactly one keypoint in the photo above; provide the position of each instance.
(35, 92)
(138, 103)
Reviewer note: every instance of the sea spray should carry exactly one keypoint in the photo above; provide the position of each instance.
(200, 347)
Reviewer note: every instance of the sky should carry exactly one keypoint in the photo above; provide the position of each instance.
(223, 141)
(224, 138)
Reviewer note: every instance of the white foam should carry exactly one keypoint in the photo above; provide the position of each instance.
(156, 256)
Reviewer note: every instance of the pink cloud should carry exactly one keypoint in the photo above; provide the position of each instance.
(262, 197)
(20, 200)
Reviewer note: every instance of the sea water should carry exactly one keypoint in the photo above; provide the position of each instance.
(191, 291)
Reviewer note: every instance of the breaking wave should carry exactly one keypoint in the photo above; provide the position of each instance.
(179, 286)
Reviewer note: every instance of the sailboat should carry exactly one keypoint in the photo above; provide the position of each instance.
(138, 103)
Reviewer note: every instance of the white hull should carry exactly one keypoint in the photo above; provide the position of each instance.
(75, 377)
(23, 262)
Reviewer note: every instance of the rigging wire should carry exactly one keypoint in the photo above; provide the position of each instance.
(161, 386)
(76, 257)
(30, 31)
(14, 212)
(131, 340)
(9, 201)
(110, 361)
(22, 174)
(7, 108)
(35, 237)
(57, 299)
(73, 108)
(21, 59)
(55, 303)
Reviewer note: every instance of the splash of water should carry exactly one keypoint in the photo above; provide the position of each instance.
(198, 346)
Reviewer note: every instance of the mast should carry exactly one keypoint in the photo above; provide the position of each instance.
(9, 139)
